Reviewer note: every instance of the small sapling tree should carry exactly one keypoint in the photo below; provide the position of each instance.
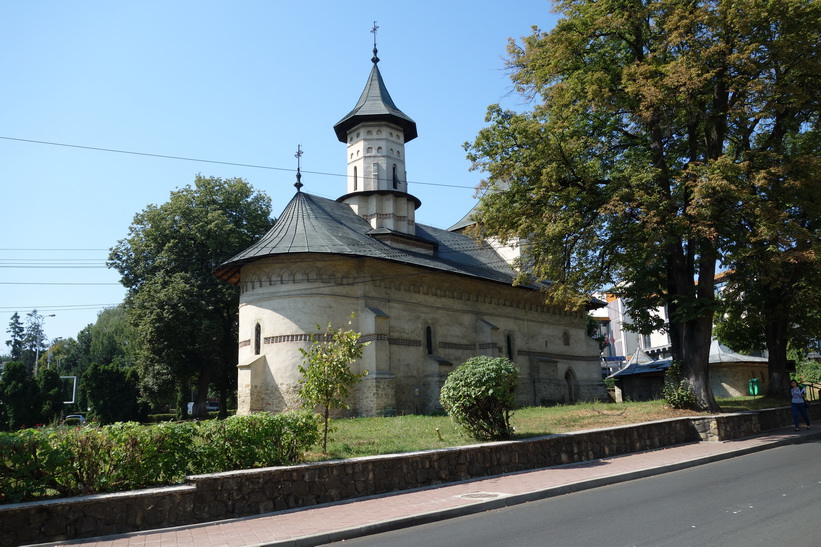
(327, 377)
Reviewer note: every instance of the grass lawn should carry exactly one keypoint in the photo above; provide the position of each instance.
(372, 436)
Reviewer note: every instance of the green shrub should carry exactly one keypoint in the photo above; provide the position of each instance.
(479, 396)
(67, 461)
(676, 392)
(256, 440)
(808, 370)
(27, 457)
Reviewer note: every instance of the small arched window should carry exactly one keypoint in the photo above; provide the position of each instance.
(257, 339)
(566, 338)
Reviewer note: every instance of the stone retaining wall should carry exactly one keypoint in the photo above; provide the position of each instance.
(257, 491)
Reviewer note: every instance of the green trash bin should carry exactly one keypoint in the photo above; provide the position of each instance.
(753, 386)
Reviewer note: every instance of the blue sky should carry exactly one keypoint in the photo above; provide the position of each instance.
(240, 82)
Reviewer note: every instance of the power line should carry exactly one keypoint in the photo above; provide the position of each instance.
(60, 283)
(200, 160)
(46, 249)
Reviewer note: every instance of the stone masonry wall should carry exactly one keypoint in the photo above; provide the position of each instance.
(257, 491)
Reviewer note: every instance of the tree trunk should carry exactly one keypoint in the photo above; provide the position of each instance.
(182, 399)
(695, 361)
(691, 336)
(775, 331)
(325, 431)
(203, 383)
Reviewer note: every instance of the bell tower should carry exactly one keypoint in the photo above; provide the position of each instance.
(375, 133)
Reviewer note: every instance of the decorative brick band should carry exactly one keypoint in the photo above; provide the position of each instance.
(385, 216)
(244, 343)
(322, 337)
(401, 342)
(451, 345)
(490, 345)
(373, 338)
(525, 353)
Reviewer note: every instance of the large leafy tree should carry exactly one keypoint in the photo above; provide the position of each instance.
(626, 169)
(773, 292)
(113, 339)
(185, 319)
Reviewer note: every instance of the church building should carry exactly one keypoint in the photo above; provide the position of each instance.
(426, 299)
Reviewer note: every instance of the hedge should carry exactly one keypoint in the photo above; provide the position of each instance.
(68, 461)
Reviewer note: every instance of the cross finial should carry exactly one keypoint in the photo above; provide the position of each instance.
(375, 59)
(298, 157)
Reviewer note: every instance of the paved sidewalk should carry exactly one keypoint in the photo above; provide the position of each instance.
(344, 520)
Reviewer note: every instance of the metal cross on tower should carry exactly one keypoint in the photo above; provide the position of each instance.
(298, 155)
(375, 59)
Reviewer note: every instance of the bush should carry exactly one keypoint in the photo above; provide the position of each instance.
(676, 392)
(256, 440)
(809, 371)
(479, 396)
(26, 458)
(66, 461)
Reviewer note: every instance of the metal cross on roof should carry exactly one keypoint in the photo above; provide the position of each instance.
(375, 59)
(298, 155)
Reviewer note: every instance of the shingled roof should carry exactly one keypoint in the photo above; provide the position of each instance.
(312, 224)
(375, 104)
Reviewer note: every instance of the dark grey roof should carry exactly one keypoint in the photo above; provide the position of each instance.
(466, 221)
(312, 224)
(375, 104)
(653, 367)
(719, 353)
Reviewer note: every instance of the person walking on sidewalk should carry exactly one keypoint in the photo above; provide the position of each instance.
(798, 397)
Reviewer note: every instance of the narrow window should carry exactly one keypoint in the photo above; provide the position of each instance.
(566, 338)
(395, 178)
(355, 180)
(257, 338)
(510, 347)
(429, 340)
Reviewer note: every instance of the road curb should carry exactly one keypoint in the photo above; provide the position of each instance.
(517, 499)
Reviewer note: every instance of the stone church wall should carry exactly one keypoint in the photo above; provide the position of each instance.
(420, 326)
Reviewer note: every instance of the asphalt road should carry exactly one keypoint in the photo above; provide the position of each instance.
(770, 498)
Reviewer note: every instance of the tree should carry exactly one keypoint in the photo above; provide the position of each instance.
(327, 377)
(113, 338)
(17, 331)
(111, 392)
(185, 319)
(480, 395)
(50, 396)
(34, 339)
(774, 286)
(19, 393)
(625, 172)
